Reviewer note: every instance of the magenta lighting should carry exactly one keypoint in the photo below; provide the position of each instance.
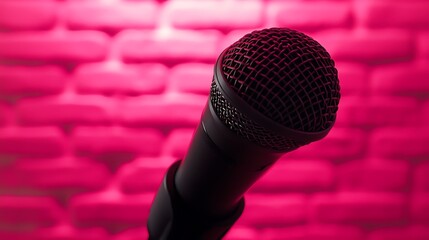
(99, 97)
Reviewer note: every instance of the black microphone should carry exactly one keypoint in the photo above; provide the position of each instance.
(273, 91)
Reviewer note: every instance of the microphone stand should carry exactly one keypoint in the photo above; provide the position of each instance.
(171, 218)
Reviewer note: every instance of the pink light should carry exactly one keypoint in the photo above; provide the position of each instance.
(97, 98)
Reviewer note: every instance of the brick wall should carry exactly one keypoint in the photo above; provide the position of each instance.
(98, 97)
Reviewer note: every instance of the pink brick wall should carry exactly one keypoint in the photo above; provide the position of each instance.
(98, 97)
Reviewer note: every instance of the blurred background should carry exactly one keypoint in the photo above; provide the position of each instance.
(98, 98)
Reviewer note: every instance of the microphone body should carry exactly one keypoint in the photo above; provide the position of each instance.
(209, 183)
(273, 91)
(214, 175)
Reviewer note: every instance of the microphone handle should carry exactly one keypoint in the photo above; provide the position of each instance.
(202, 196)
(172, 219)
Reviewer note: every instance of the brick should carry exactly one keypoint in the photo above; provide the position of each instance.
(31, 211)
(110, 210)
(178, 111)
(64, 235)
(382, 14)
(178, 142)
(191, 78)
(407, 143)
(18, 15)
(332, 232)
(14, 235)
(273, 210)
(353, 78)
(32, 142)
(373, 175)
(214, 14)
(59, 176)
(310, 15)
(60, 232)
(425, 113)
(409, 233)
(340, 144)
(114, 146)
(169, 48)
(23, 81)
(384, 111)
(423, 45)
(420, 207)
(143, 175)
(133, 80)
(80, 46)
(232, 37)
(106, 16)
(5, 114)
(356, 207)
(372, 47)
(133, 234)
(377, 111)
(400, 79)
(285, 233)
(57, 110)
(311, 232)
(296, 175)
(421, 178)
(241, 233)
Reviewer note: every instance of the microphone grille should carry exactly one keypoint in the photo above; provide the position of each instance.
(245, 127)
(286, 76)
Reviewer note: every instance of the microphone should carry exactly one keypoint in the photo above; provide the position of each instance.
(273, 91)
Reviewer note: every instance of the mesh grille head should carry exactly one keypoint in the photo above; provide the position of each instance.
(245, 127)
(286, 76)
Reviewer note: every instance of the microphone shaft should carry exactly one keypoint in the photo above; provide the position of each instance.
(203, 196)
(219, 167)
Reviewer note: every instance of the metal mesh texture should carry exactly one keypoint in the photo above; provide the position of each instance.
(243, 126)
(285, 75)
